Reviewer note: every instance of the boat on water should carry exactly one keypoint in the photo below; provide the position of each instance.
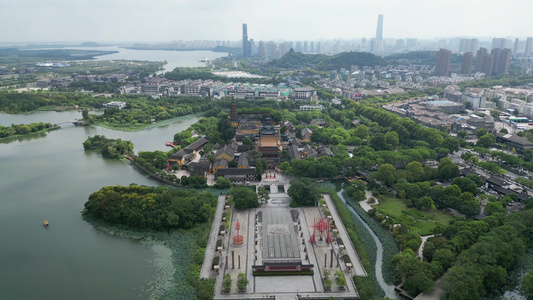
(46, 223)
(205, 59)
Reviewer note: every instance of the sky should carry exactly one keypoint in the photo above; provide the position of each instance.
(168, 20)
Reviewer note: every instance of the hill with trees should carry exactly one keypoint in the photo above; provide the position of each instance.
(322, 62)
(347, 59)
(297, 60)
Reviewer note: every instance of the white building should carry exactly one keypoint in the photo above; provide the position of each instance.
(115, 104)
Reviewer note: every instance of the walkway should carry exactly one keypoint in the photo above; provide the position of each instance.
(424, 239)
(205, 272)
(357, 265)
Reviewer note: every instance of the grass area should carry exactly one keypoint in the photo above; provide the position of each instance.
(424, 221)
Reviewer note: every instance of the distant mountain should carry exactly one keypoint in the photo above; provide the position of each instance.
(233, 50)
(347, 59)
(90, 44)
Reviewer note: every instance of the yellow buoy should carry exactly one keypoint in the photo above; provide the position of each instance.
(45, 223)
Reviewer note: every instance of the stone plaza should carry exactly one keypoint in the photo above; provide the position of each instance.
(277, 247)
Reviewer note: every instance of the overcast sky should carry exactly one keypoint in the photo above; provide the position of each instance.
(167, 20)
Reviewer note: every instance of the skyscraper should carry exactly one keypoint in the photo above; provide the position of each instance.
(466, 65)
(246, 46)
(379, 30)
(529, 41)
(442, 66)
(515, 49)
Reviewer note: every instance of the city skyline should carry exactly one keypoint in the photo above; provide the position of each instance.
(120, 20)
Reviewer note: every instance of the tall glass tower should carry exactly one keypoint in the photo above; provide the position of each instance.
(246, 46)
(379, 30)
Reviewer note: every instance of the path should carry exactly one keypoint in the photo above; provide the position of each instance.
(205, 272)
(424, 239)
(364, 204)
(357, 265)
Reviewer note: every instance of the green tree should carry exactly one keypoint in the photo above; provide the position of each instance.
(378, 141)
(303, 191)
(447, 169)
(451, 144)
(242, 281)
(85, 114)
(263, 194)
(495, 113)
(247, 141)
(486, 140)
(386, 174)
(244, 197)
(222, 183)
(415, 171)
(392, 139)
(227, 282)
(481, 132)
(462, 134)
(526, 287)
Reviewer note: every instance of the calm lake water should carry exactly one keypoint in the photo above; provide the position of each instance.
(174, 58)
(49, 177)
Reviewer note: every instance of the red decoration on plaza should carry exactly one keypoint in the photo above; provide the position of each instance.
(238, 239)
(322, 226)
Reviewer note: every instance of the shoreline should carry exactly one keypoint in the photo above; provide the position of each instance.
(149, 126)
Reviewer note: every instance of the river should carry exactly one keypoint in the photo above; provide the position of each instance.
(49, 176)
(388, 289)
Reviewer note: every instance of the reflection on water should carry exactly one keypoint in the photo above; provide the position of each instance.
(48, 176)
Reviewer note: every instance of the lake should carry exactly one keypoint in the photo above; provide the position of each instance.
(48, 176)
(174, 59)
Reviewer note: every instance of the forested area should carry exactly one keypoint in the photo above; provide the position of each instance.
(109, 148)
(21, 129)
(15, 102)
(155, 208)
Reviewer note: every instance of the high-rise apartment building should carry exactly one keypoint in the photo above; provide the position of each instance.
(411, 43)
(529, 41)
(468, 45)
(480, 54)
(515, 48)
(298, 47)
(498, 43)
(501, 60)
(399, 45)
(466, 65)
(318, 47)
(484, 62)
(272, 50)
(246, 45)
(313, 47)
(379, 30)
(261, 50)
(442, 66)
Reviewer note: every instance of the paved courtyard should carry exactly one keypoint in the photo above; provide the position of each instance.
(275, 233)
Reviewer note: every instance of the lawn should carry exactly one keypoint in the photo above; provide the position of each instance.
(425, 221)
